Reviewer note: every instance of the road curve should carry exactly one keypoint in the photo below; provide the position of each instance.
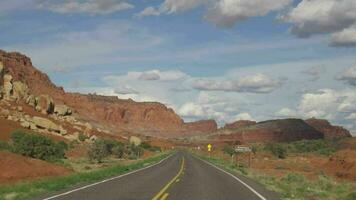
(180, 177)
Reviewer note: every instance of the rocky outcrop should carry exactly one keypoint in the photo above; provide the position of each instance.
(203, 126)
(239, 124)
(123, 115)
(327, 129)
(62, 110)
(283, 130)
(47, 124)
(45, 104)
(7, 86)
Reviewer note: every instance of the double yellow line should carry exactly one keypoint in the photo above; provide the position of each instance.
(162, 193)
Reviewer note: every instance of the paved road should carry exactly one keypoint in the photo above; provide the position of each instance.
(180, 177)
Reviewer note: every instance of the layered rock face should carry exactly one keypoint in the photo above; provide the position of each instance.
(203, 126)
(284, 130)
(327, 129)
(148, 118)
(239, 124)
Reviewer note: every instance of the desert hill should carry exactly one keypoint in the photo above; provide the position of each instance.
(281, 130)
(149, 118)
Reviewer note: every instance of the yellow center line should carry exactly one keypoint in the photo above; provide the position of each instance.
(164, 197)
(160, 193)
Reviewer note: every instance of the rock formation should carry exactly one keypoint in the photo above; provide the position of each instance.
(149, 118)
(283, 130)
(239, 124)
(327, 129)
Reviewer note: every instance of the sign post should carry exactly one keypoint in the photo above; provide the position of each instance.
(209, 149)
(243, 149)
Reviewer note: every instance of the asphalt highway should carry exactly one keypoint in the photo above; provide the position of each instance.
(179, 177)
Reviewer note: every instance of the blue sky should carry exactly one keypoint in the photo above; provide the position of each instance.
(221, 59)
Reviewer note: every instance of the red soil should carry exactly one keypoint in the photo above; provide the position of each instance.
(6, 127)
(26, 168)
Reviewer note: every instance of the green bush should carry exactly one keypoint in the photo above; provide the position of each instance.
(277, 149)
(37, 146)
(118, 151)
(98, 151)
(149, 147)
(82, 137)
(5, 146)
(322, 146)
(229, 150)
(133, 152)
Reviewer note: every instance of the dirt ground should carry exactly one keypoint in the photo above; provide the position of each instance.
(6, 127)
(26, 168)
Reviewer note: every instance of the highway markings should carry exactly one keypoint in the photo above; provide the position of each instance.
(239, 180)
(165, 188)
(106, 180)
(164, 197)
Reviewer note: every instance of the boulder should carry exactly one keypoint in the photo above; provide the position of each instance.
(31, 100)
(20, 90)
(135, 140)
(45, 104)
(47, 124)
(8, 87)
(62, 110)
(1, 79)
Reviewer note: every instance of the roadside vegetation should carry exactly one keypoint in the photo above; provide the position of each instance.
(294, 186)
(45, 185)
(35, 146)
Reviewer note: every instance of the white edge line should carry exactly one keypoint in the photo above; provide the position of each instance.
(106, 180)
(243, 183)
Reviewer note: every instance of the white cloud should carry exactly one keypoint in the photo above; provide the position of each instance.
(243, 116)
(171, 7)
(154, 75)
(192, 110)
(349, 76)
(286, 112)
(352, 116)
(125, 89)
(88, 6)
(225, 13)
(346, 37)
(314, 72)
(312, 17)
(257, 83)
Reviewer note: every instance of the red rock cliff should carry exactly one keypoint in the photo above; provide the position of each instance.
(148, 118)
(327, 129)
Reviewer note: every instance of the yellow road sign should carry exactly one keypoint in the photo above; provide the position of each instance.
(209, 147)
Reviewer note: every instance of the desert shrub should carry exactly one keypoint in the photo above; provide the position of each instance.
(111, 144)
(229, 150)
(133, 152)
(5, 145)
(149, 147)
(98, 151)
(82, 137)
(276, 149)
(37, 146)
(118, 151)
(322, 146)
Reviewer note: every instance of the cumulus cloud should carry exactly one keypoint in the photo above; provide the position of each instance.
(346, 37)
(125, 89)
(88, 6)
(171, 7)
(191, 110)
(243, 116)
(314, 72)
(257, 83)
(286, 112)
(349, 76)
(321, 16)
(154, 75)
(225, 13)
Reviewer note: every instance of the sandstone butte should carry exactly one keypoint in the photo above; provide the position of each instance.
(150, 118)
(281, 130)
